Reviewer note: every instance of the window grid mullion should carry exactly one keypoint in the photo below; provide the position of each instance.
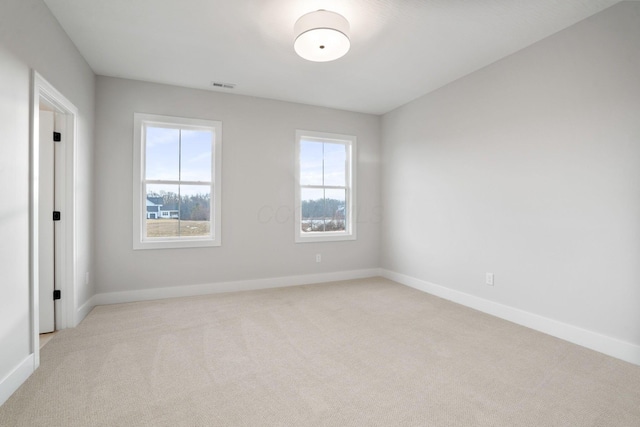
(324, 194)
(179, 180)
(173, 182)
(321, 187)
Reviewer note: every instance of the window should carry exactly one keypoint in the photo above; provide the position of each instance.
(176, 188)
(325, 187)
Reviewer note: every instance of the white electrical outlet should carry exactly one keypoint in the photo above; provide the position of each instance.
(318, 258)
(489, 279)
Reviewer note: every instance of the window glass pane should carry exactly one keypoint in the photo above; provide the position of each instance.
(195, 210)
(310, 162)
(162, 149)
(176, 160)
(335, 157)
(326, 164)
(335, 210)
(312, 209)
(161, 216)
(196, 155)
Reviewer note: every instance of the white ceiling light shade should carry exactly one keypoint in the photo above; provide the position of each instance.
(321, 36)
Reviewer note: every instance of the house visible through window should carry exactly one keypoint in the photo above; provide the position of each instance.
(177, 184)
(325, 188)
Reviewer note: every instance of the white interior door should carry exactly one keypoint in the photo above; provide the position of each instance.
(46, 246)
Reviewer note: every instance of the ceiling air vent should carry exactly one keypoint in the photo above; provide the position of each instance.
(221, 85)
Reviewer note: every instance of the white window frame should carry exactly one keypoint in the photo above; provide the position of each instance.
(139, 184)
(350, 142)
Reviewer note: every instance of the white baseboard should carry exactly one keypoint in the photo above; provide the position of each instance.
(595, 341)
(10, 383)
(83, 311)
(240, 285)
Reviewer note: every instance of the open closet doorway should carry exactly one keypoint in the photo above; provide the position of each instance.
(51, 123)
(53, 263)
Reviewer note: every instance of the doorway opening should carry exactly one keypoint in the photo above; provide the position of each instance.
(52, 222)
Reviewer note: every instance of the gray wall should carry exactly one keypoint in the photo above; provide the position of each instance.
(31, 38)
(530, 169)
(257, 182)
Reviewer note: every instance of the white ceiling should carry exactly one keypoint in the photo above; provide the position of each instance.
(400, 49)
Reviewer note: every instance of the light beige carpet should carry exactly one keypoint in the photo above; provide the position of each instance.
(357, 353)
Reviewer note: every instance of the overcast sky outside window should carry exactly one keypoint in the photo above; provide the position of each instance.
(165, 151)
(322, 164)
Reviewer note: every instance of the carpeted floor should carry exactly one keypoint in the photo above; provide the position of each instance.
(358, 353)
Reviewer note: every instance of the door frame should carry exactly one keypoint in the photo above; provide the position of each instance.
(65, 252)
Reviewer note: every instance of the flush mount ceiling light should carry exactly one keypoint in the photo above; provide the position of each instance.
(321, 36)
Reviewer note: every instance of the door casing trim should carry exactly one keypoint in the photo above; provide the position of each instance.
(43, 91)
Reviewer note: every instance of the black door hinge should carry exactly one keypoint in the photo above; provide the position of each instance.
(57, 294)
(56, 215)
(57, 137)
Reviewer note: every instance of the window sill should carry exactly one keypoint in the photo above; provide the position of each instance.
(324, 237)
(176, 244)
